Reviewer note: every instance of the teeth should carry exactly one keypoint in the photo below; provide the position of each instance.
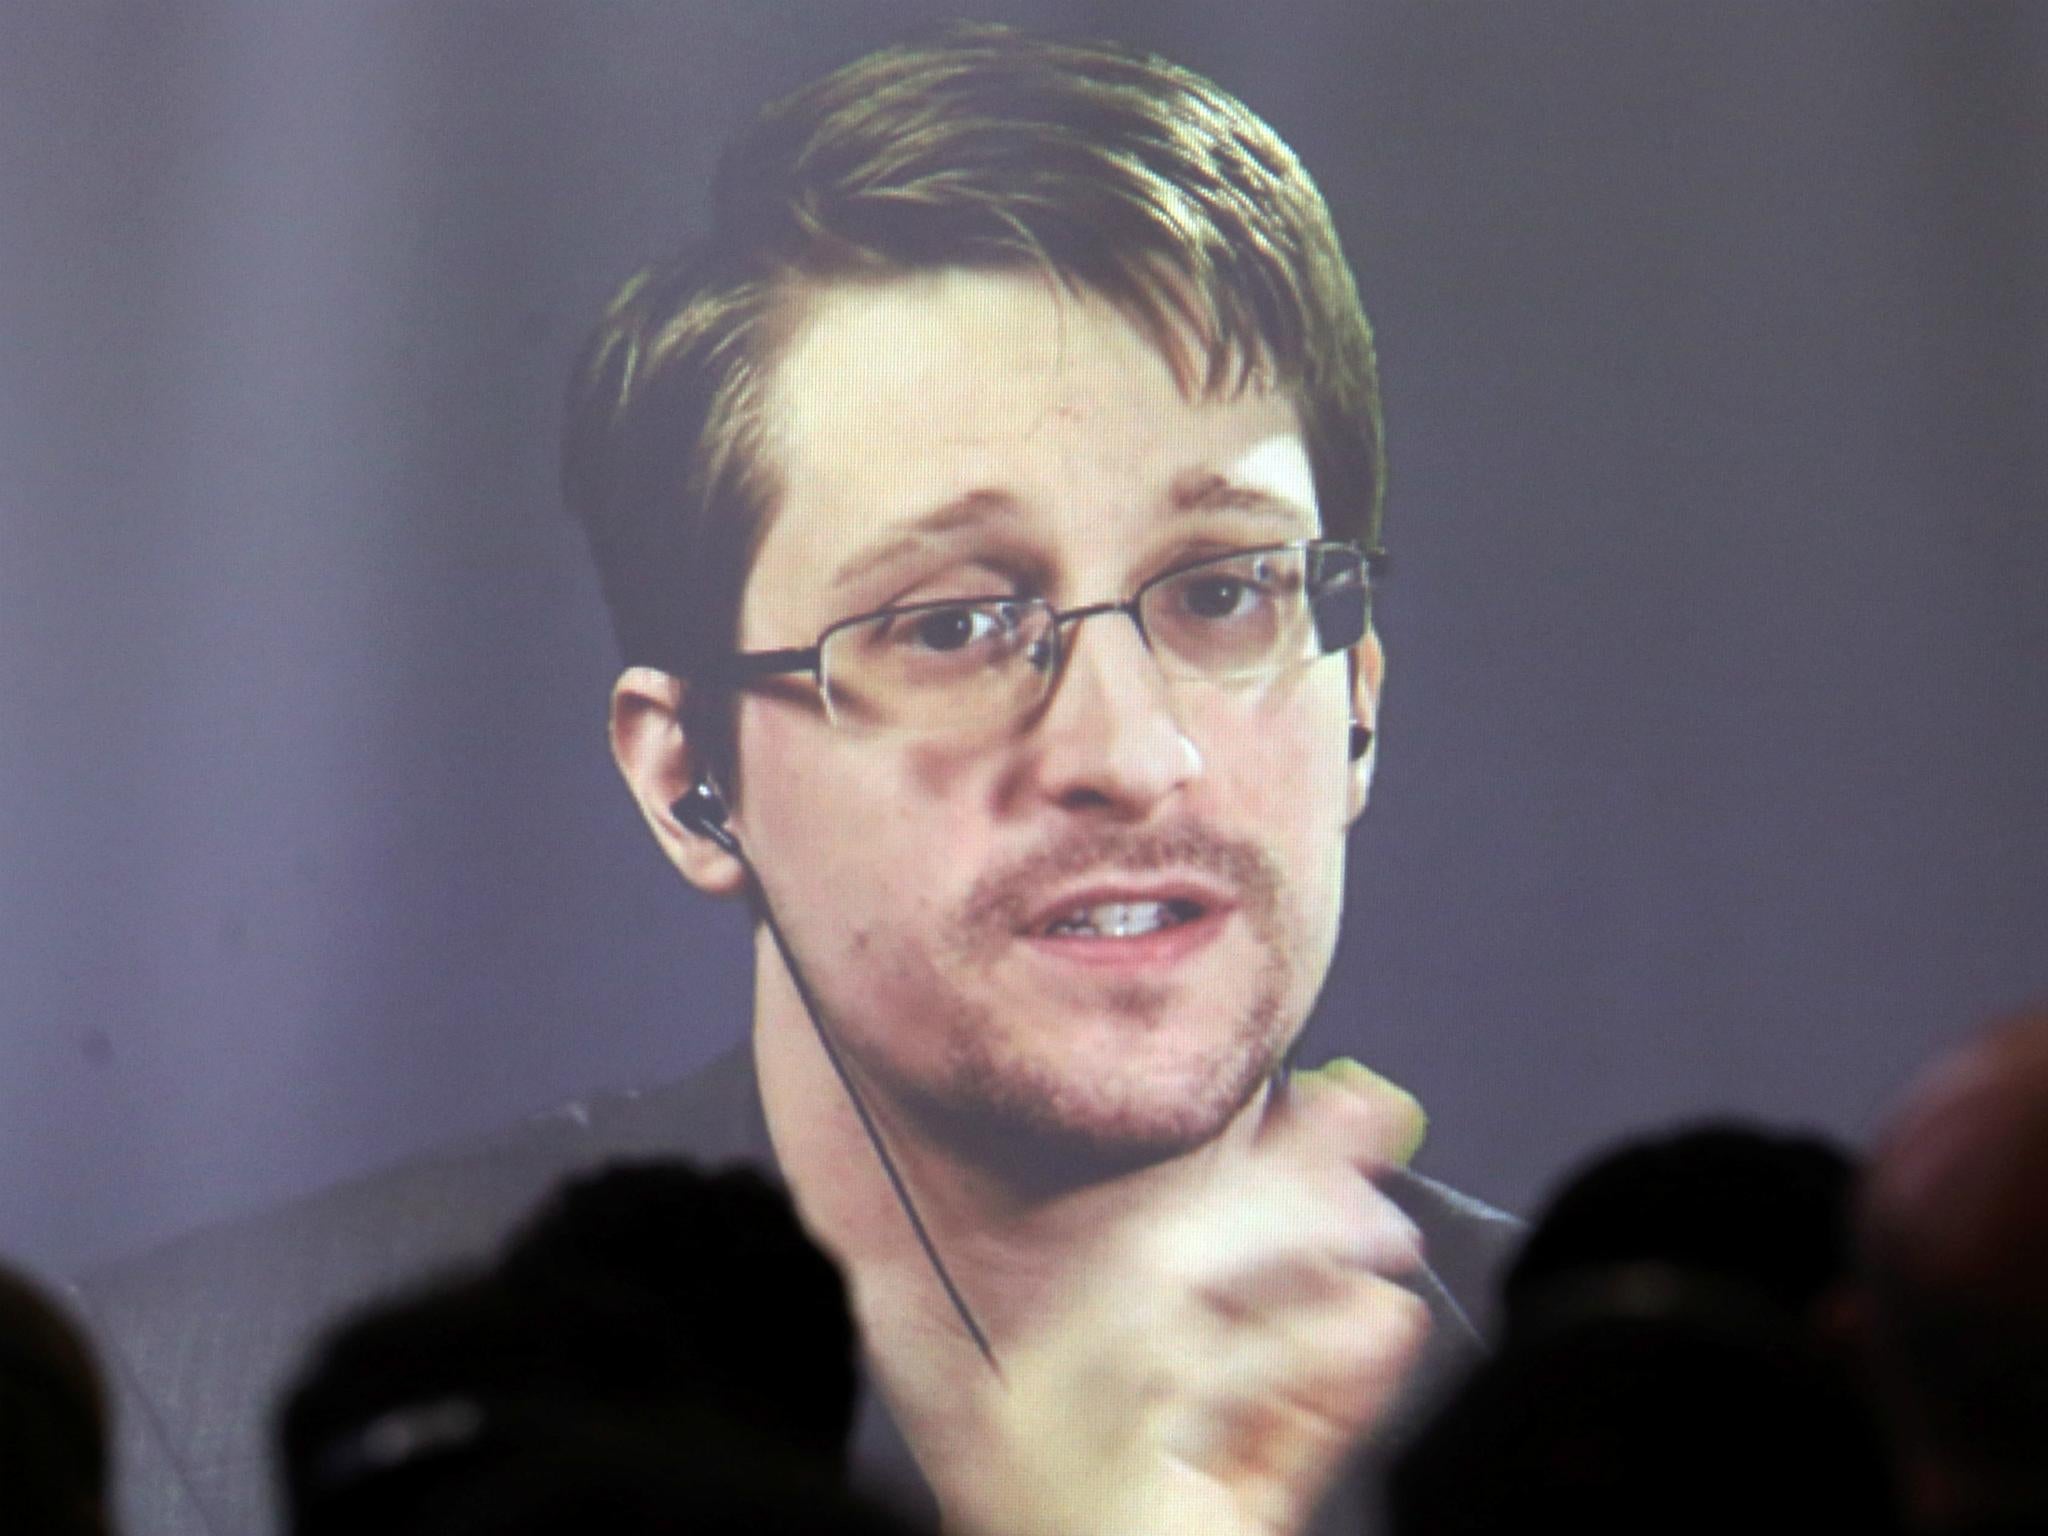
(1122, 919)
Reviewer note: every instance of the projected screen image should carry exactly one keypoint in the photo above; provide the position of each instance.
(1159, 663)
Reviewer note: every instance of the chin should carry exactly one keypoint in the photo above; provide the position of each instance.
(1042, 1121)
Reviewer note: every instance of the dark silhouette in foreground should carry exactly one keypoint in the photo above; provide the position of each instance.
(1756, 1209)
(1669, 1361)
(53, 1423)
(1951, 1306)
(1638, 1402)
(658, 1350)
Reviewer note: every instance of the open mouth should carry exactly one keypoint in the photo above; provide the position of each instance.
(1122, 919)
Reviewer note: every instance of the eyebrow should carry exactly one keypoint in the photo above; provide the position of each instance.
(1212, 492)
(1202, 492)
(963, 511)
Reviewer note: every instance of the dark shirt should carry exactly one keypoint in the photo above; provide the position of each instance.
(202, 1336)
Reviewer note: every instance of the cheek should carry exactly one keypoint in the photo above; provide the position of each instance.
(1283, 755)
(867, 827)
(1280, 764)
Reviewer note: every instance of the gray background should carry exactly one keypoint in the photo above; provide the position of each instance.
(1717, 734)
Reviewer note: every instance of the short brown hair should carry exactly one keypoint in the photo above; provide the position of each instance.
(1109, 170)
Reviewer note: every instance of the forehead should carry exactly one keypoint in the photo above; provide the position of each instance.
(967, 399)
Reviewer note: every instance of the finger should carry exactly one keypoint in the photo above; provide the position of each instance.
(1298, 1281)
(1315, 1385)
(1332, 1210)
(1316, 1420)
(1286, 1213)
(1345, 1111)
(1285, 1402)
(1286, 1294)
(1322, 1343)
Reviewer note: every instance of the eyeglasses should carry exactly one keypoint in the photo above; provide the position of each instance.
(963, 662)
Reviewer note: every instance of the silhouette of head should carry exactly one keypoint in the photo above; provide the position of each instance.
(53, 1434)
(651, 1327)
(1952, 1239)
(1758, 1209)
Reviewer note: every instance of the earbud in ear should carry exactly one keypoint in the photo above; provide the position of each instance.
(703, 812)
(1361, 740)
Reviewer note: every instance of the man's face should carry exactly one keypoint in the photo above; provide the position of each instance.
(969, 434)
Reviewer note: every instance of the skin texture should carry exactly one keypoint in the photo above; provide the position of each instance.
(1072, 1130)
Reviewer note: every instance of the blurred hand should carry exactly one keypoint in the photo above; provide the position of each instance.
(1210, 1375)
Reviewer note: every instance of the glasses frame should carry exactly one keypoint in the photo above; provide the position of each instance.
(737, 669)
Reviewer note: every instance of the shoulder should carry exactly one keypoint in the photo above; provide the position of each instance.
(443, 1208)
(201, 1334)
(1466, 1242)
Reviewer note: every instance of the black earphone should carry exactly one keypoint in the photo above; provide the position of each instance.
(703, 812)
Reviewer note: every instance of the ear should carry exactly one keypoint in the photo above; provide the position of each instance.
(1368, 675)
(649, 745)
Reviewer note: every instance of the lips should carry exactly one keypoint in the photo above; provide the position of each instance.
(1124, 919)
(1119, 911)
(1152, 952)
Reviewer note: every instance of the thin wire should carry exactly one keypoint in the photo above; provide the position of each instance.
(874, 1134)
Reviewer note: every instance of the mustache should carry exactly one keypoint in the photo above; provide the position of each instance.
(1002, 901)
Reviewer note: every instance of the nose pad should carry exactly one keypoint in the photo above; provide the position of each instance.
(1043, 655)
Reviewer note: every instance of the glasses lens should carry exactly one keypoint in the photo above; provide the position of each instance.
(938, 664)
(1239, 616)
(1338, 596)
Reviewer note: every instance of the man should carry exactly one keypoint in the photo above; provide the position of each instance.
(985, 509)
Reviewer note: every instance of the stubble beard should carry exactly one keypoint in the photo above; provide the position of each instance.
(1002, 1097)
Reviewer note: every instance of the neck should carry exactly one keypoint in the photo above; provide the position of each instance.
(1006, 1241)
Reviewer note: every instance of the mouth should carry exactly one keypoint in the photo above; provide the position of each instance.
(1123, 919)
(1129, 925)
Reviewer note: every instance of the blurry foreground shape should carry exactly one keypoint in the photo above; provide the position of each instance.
(53, 1427)
(1645, 1399)
(1744, 1205)
(672, 1282)
(1952, 1236)
(658, 1350)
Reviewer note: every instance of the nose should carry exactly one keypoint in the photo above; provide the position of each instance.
(1108, 739)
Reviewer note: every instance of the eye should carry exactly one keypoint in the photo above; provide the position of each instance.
(949, 629)
(1232, 591)
(926, 631)
(1217, 596)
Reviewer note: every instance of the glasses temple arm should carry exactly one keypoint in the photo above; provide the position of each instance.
(738, 667)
